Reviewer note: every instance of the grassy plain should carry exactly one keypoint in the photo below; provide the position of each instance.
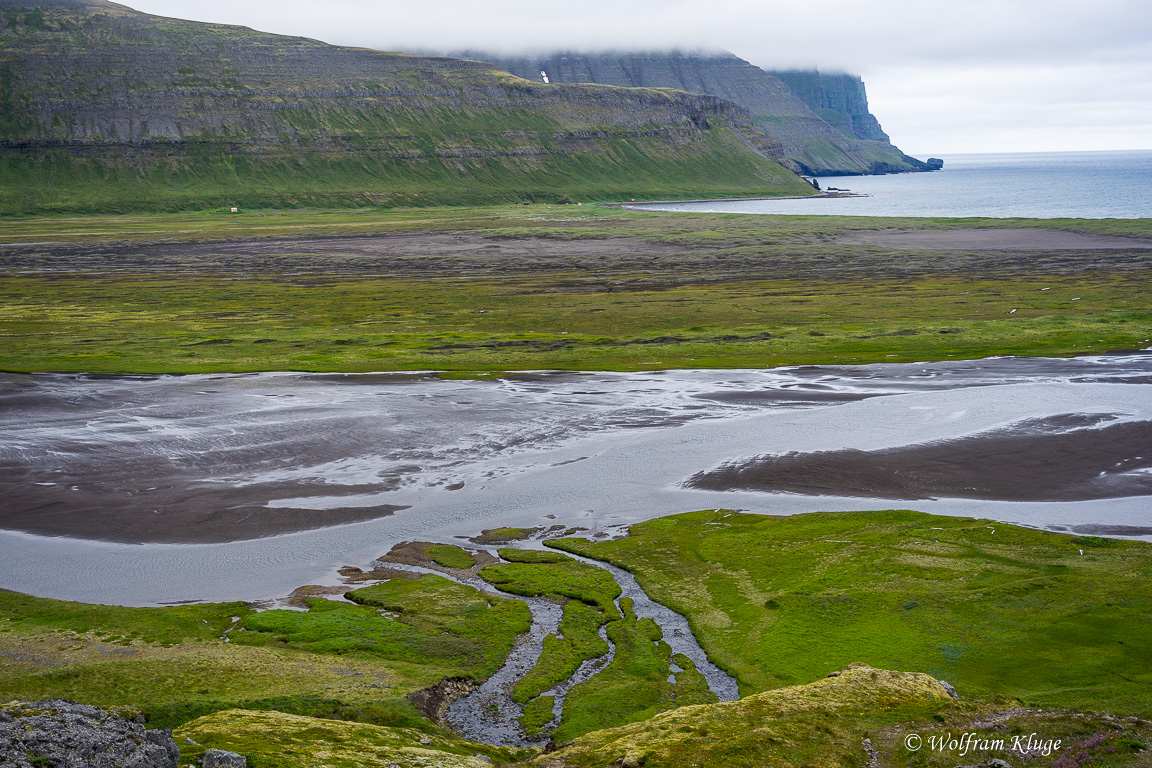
(196, 292)
(1054, 620)
(337, 660)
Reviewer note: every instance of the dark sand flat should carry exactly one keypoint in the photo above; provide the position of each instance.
(1040, 460)
(1012, 252)
(181, 513)
(995, 240)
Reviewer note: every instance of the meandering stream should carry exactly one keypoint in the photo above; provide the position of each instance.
(488, 713)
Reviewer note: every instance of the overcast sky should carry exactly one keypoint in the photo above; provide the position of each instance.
(943, 76)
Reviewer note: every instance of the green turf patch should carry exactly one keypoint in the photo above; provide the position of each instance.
(537, 714)
(117, 624)
(451, 556)
(569, 579)
(337, 660)
(531, 556)
(430, 620)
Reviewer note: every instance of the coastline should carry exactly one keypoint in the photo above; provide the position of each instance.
(640, 205)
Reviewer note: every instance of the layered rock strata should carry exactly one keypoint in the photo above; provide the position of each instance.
(821, 121)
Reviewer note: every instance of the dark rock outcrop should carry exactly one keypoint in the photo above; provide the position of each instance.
(219, 758)
(59, 732)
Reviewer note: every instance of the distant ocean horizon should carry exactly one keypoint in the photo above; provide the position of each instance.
(1045, 185)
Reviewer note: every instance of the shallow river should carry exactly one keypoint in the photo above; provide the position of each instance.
(148, 490)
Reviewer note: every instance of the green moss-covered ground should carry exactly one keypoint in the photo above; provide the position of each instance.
(578, 640)
(719, 291)
(588, 594)
(1041, 634)
(992, 608)
(537, 715)
(451, 556)
(279, 740)
(429, 620)
(341, 660)
(863, 716)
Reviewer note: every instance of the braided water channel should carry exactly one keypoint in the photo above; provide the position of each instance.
(488, 714)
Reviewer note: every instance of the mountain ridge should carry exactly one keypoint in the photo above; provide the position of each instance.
(106, 108)
(816, 138)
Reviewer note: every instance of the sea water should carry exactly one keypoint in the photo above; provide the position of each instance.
(1045, 185)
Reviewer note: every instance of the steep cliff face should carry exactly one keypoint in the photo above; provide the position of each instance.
(104, 108)
(841, 101)
(816, 139)
(839, 98)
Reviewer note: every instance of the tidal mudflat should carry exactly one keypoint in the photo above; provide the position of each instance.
(112, 487)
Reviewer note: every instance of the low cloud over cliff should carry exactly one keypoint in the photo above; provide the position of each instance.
(986, 75)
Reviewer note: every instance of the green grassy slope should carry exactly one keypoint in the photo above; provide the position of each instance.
(1015, 618)
(107, 109)
(861, 717)
(279, 740)
(336, 660)
(992, 608)
(284, 175)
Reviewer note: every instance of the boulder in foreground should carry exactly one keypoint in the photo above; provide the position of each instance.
(59, 732)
